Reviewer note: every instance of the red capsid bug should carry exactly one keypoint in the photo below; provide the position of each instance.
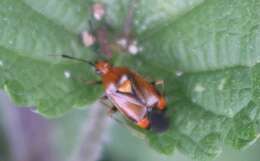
(132, 95)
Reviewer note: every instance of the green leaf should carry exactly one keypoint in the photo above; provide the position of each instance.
(243, 131)
(215, 35)
(72, 15)
(223, 92)
(256, 80)
(206, 51)
(149, 14)
(29, 73)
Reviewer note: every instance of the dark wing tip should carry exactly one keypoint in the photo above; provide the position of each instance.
(159, 121)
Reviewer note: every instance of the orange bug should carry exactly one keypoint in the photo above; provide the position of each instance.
(131, 94)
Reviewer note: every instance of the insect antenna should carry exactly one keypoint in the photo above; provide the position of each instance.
(78, 59)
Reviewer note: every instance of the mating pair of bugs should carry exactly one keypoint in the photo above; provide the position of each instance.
(132, 95)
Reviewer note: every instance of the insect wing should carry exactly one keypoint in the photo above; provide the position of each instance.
(128, 105)
(139, 88)
(145, 91)
(128, 85)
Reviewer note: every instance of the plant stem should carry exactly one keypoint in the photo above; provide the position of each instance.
(128, 24)
(92, 135)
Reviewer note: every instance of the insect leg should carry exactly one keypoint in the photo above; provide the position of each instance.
(158, 82)
(161, 83)
(89, 82)
(111, 111)
(111, 108)
(162, 102)
(93, 82)
(105, 101)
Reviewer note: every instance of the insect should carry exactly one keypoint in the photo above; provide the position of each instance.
(130, 94)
